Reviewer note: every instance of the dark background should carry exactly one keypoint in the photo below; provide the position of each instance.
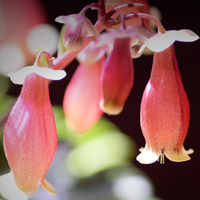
(172, 181)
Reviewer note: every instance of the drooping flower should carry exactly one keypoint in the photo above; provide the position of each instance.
(30, 138)
(165, 112)
(117, 73)
(78, 28)
(82, 95)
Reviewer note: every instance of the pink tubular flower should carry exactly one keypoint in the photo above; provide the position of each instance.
(117, 72)
(81, 100)
(82, 95)
(78, 28)
(165, 111)
(30, 138)
(117, 77)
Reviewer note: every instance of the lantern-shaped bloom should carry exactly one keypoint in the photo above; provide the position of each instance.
(165, 113)
(78, 28)
(30, 138)
(165, 110)
(82, 95)
(117, 73)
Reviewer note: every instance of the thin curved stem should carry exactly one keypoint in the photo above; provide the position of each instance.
(92, 6)
(120, 7)
(146, 16)
(102, 10)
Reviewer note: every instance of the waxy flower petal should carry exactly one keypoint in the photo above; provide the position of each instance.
(30, 137)
(165, 113)
(161, 41)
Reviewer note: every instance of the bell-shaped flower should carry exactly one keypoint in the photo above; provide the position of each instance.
(30, 137)
(78, 28)
(165, 112)
(117, 73)
(82, 95)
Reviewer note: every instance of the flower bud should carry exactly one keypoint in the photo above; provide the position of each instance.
(82, 96)
(117, 77)
(78, 28)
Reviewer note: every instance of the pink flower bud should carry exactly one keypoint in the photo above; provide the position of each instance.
(82, 96)
(117, 77)
(78, 28)
(165, 113)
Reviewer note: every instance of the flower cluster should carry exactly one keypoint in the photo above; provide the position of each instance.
(101, 84)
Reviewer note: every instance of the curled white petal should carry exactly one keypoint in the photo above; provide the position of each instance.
(186, 35)
(147, 156)
(160, 42)
(60, 20)
(18, 77)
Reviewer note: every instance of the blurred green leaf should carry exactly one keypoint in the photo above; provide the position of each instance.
(60, 122)
(4, 84)
(110, 149)
(5, 101)
(103, 125)
(4, 164)
(74, 138)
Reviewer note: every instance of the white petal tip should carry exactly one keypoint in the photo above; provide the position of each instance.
(186, 35)
(147, 156)
(59, 19)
